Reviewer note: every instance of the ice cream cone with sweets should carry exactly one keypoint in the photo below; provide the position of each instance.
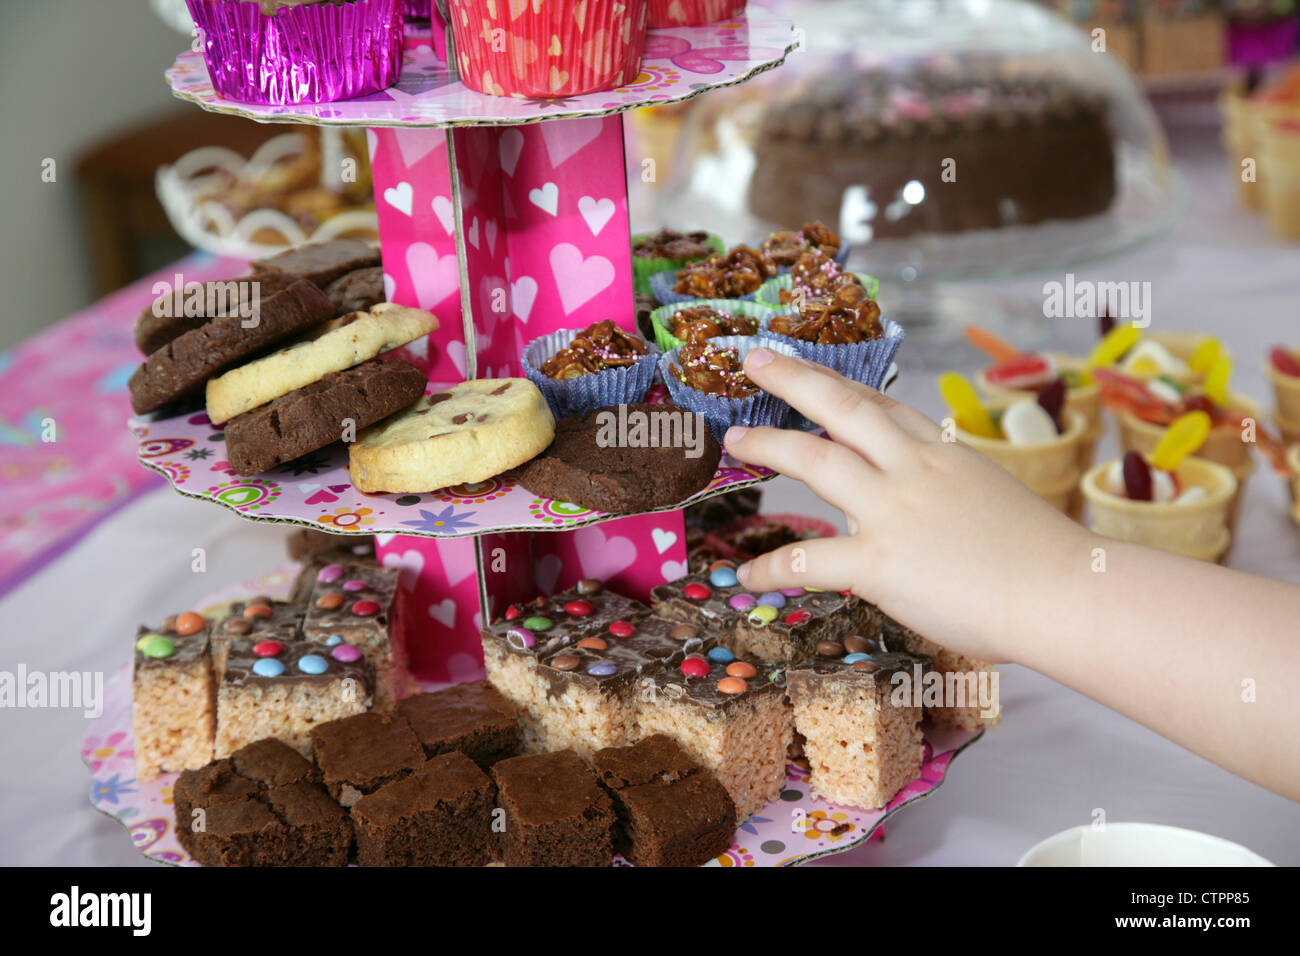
(1184, 357)
(1034, 437)
(1017, 374)
(1167, 500)
(1145, 410)
(1283, 370)
(1293, 464)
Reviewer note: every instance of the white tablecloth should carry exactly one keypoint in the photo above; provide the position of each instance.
(1056, 759)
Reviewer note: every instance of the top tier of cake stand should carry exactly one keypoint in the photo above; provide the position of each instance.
(679, 63)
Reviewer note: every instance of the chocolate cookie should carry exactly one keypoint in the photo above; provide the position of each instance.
(358, 290)
(164, 321)
(315, 415)
(322, 262)
(625, 458)
(183, 366)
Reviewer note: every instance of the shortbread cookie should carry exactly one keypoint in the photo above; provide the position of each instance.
(348, 341)
(322, 262)
(317, 414)
(469, 433)
(183, 365)
(625, 458)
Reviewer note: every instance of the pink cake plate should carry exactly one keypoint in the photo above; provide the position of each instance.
(679, 64)
(794, 829)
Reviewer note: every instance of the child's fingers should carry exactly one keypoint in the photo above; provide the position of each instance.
(904, 416)
(837, 475)
(826, 563)
(847, 413)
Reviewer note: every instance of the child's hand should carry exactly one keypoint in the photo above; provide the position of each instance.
(938, 533)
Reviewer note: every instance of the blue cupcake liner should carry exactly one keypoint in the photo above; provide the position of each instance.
(865, 362)
(769, 293)
(721, 413)
(661, 285)
(613, 386)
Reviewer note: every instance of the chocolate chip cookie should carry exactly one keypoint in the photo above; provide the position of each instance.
(468, 433)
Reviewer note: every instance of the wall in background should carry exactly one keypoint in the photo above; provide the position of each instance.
(72, 73)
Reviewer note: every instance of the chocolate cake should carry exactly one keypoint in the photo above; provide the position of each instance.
(1019, 150)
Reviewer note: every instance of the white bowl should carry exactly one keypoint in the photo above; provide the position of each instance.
(1138, 844)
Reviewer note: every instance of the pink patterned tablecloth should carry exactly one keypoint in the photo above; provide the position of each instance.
(66, 462)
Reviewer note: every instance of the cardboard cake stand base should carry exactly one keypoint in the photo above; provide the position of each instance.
(507, 233)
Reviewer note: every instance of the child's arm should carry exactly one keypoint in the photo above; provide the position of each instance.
(951, 545)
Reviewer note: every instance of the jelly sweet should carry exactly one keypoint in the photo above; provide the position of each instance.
(1137, 477)
(1184, 436)
(967, 410)
(1285, 361)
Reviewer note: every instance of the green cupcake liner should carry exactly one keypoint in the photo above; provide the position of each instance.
(644, 268)
(769, 293)
(667, 341)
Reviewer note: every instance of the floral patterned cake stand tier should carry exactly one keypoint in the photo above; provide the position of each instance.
(315, 490)
(794, 829)
(679, 63)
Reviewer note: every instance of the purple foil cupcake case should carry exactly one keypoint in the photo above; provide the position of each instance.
(305, 53)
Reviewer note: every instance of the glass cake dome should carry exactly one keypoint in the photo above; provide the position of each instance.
(945, 139)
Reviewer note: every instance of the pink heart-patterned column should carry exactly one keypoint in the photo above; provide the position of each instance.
(482, 232)
(439, 593)
(417, 230)
(564, 190)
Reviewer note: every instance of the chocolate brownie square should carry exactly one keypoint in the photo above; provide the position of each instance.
(273, 763)
(655, 759)
(684, 823)
(359, 754)
(439, 815)
(317, 830)
(235, 833)
(473, 718)
(215, 783)
(557, 813)
(671, 811)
